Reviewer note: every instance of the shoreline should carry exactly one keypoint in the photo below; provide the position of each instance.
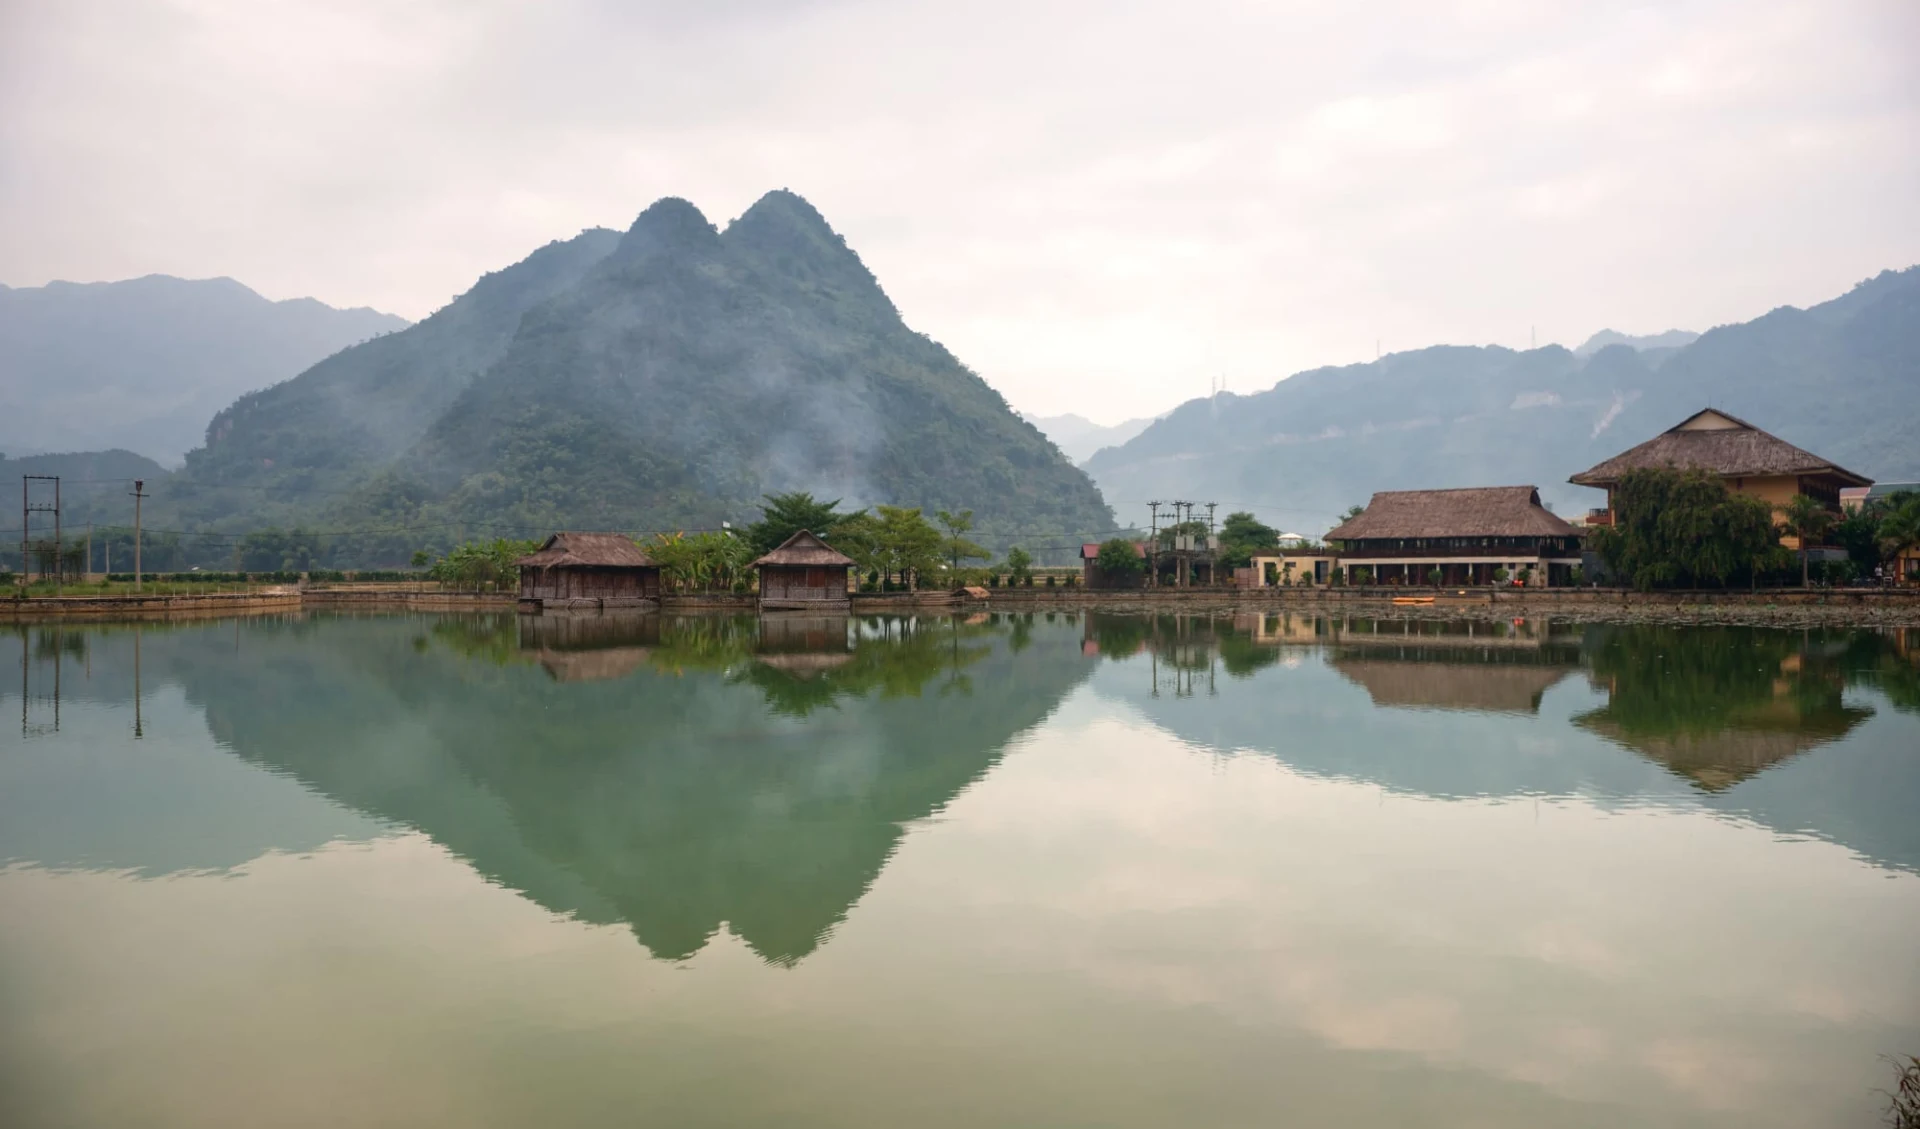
(1773, 608)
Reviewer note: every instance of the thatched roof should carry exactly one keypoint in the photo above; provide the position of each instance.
(588, 550)
(1716, 442)
(803, 549)
(1480, 511)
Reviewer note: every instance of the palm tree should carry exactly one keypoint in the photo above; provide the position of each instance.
(1899, 526)
(1808, 520)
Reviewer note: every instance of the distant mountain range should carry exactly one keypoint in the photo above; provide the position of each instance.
(1841, 379)
(1670, 340)
(662, 378)
(1079, 437)
(144, 364)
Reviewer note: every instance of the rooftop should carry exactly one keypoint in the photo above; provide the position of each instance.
(804, 550)
(588, 550)
(1721, 444)
(1479, 511)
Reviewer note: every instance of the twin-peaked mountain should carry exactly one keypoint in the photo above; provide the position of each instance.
(663, 378)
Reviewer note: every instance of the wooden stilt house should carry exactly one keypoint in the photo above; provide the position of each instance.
(588, 570)
(804, 572)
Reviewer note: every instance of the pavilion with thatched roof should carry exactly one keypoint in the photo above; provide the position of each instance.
(1468, 534)
(588, 570)
(804, 573)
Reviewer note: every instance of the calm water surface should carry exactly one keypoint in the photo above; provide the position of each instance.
(1060, 870)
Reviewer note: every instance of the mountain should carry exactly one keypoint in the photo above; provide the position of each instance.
(143, 364)
(1841, 379)
(663, 378)
(1671, 339)
(1079, 437)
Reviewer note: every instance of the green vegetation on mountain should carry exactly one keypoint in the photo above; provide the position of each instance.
(144, 363)
(664, 379)
(1841, 379)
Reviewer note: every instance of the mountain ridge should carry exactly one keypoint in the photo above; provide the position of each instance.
(1841, 378)
(143, 363)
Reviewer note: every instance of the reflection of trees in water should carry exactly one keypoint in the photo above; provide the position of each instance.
(799, 663)
(1718, 705)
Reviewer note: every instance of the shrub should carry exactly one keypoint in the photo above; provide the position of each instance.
(1050, 581)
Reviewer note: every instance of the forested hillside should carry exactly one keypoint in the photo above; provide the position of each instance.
(1841, 379)
(143, 364)
(664, 378)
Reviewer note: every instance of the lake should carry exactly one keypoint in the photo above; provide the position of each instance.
(1054, 869)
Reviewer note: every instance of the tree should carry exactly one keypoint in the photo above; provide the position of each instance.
(956, 546)
(905, 543)
(1019, 565)
(1808, 520)
(1352, 512)
(1899, 524)
(479, 566)
(1684, 527)
(710, 561)
(783, 515)
(420, 559)
(1241, 536)
(1119, 559)
(1433, 576)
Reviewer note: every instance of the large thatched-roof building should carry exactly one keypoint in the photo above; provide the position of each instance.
(804, 572)
(588, 570)
(1747, 459)
(1468, 534)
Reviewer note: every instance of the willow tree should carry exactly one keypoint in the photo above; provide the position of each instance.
(1684, 527)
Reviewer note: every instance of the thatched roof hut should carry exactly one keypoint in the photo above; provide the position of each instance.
(804, 572)
(1722, 445)
(1478, 511)
(579, 570)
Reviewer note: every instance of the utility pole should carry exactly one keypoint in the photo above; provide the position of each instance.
(1153, 545)
(27, 510)
(139, 493)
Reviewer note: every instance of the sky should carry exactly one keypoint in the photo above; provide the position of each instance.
(1102, 207)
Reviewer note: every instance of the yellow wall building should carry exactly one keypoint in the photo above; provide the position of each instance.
(1747, 459)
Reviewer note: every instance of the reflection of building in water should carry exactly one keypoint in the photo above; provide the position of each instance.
(1430, 683)
(803, 645)
(1313, 630)
(1717, 707)
(590, 647)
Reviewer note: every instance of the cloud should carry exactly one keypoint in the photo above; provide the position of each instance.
(1099, 206)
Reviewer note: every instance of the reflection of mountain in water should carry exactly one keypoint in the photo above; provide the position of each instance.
(1485, 709)
(702, 788)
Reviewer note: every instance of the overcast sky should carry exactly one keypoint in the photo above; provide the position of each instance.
(1100, 206)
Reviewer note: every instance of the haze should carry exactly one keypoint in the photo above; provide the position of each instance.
(1100, 207)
